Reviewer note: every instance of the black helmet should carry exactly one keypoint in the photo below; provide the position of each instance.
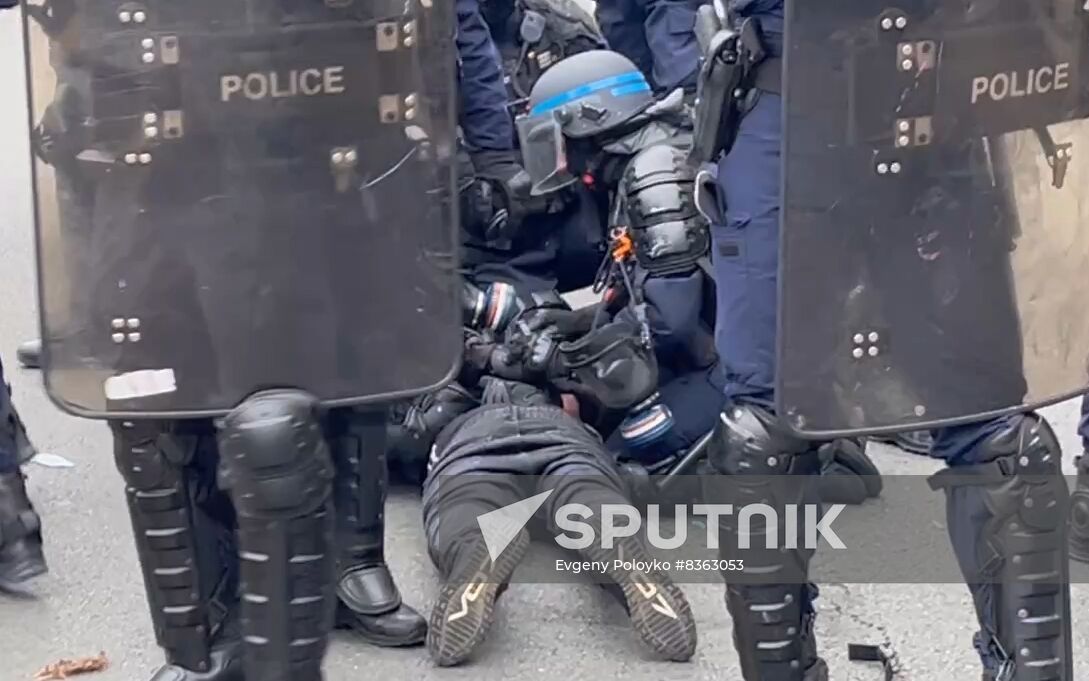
(584, 95)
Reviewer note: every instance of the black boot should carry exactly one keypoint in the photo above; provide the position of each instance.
(848, 474)
(369, 602)
(1079, 513)
(224, 662)
(21, 555)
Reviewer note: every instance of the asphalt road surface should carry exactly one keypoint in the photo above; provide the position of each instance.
(92, 600)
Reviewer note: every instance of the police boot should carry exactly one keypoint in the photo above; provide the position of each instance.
(224, 662)
(369, 602)
(472, 583)
(275, 464)
(21, 555)
(759, 461)
(1079, 513)
(183, 527)
(29, 354)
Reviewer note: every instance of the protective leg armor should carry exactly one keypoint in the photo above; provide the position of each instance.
(770, 601)
(1079, 513)
(1007, 521)
(276, 466)
(368, 599)
(184, 537)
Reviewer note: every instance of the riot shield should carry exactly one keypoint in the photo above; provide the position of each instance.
(935, 225)
(241, 196)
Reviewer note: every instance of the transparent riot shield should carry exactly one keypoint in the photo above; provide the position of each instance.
(240, 196)
(935, 226)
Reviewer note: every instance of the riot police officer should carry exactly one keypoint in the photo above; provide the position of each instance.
(21, 555)
(1002, 458)
(627, 150)
(370, 602)
(230, 362)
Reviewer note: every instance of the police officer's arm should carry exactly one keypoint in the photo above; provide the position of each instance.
(8, 4)
(485, 121)
(670, 240)
(484, 118)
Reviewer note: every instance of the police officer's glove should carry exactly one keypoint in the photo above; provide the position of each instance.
(529, 357)
(510, 188)
(565, 323)
(476, 360)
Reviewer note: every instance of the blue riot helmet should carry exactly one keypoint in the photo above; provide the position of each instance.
(585, 95)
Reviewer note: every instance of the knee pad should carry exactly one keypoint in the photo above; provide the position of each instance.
(274, 458)
(1012, 509)
(761, 462)
(751, 441)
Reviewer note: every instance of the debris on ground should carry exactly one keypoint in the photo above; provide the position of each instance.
(48, 460)
(63, 669)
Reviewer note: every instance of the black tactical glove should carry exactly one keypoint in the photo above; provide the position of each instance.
(567, 324)
(477, 357)
(525, 356)
(609, 367)
(509, 186)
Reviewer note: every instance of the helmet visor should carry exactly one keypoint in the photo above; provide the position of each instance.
(544, 153)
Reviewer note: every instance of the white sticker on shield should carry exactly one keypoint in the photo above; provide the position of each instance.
(144, 383)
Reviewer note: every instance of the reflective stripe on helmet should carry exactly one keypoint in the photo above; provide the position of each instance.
(629, 83)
